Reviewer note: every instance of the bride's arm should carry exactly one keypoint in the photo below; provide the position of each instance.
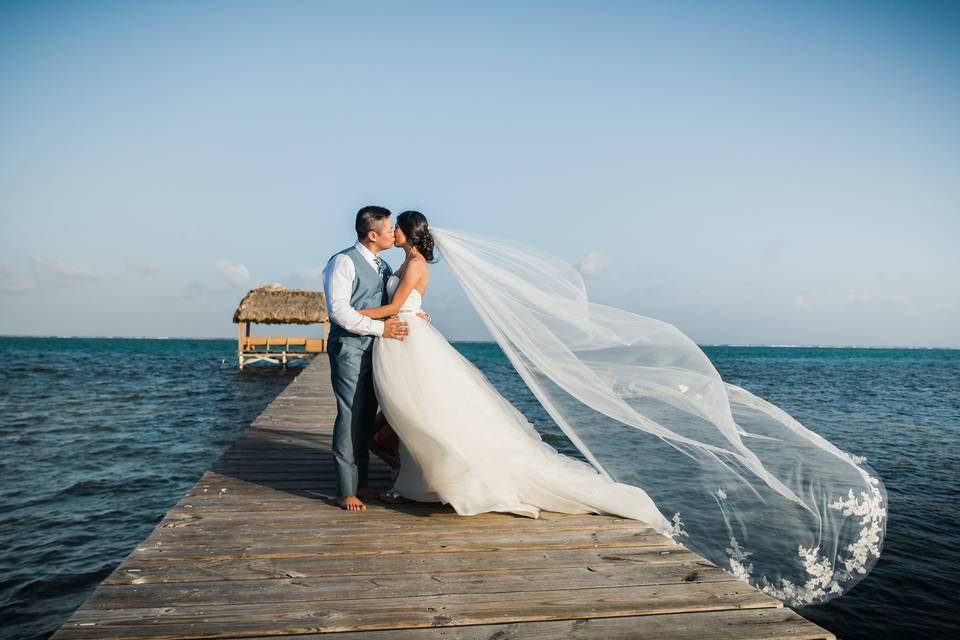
(412, 274)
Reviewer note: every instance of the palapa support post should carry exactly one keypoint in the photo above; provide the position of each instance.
(240, 344)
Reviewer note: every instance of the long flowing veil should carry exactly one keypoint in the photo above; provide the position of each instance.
(744, 484)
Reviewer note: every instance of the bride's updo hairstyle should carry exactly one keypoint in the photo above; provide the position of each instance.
(414, 226)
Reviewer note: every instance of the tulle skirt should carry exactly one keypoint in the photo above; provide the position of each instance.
(465, 445)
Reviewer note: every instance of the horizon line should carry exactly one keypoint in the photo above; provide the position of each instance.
(490, 341)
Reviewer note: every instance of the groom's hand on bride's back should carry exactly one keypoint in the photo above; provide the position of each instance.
(394, 327)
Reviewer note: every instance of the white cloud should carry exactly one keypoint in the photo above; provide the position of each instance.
(45, 274)
(141, 268)
(191, 290)
(312, 274)
(60, 274)
(12, 282)
(235, 274)
(595, 262)
(814, 301)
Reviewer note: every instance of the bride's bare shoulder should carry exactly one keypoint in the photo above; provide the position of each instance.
(418, 263)
(414, 265)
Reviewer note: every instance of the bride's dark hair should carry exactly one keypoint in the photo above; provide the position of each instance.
(414, 226)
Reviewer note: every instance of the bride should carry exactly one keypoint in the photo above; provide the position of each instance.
(462, 443)
(748, 486)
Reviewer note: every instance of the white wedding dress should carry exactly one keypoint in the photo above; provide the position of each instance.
(463, 444)
(744, 483)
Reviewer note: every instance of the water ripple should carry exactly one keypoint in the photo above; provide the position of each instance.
(99, 438)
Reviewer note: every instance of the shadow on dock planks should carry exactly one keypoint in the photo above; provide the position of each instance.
(257, 549)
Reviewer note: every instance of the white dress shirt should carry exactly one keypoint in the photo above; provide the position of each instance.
(338, 284)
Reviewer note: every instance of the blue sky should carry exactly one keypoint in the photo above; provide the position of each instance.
(752, 172)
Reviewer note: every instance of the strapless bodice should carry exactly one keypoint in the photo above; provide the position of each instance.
(414, 301)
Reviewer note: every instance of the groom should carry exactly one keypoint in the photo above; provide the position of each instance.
(353, 279)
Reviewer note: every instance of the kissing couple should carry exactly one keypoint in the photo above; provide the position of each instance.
(749, 487)
(461, 442)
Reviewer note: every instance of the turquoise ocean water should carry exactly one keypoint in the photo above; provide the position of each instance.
(99, 437)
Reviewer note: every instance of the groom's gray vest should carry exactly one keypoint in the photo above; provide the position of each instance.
(369, 290)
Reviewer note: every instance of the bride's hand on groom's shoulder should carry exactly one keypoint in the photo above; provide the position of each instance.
(395, 328)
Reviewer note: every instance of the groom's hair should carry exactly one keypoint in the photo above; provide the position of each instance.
(369, 219)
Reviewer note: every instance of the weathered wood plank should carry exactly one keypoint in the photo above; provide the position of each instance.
(138, 570)
(402, 517)
(755, 624)
(390, 585)
(225, 620)
(611, 532)
(369, 543)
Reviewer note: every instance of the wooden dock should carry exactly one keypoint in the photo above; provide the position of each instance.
(257, 549)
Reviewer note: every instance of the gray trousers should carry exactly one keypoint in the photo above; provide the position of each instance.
(351, 373)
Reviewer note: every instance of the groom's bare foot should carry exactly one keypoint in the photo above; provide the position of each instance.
(351, 503)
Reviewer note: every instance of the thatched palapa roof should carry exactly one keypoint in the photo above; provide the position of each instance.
(274, 304)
